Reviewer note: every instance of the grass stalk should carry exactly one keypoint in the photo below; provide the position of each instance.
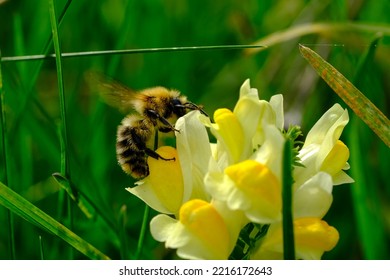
(366, 199)
(4, 147)
(61, 90)
(288, 228)
(144, 226)
(130, 51)
(41, 251)
(23, 208)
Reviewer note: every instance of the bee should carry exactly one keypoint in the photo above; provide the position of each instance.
(150, 110)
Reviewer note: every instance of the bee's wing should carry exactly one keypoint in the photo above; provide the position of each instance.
(112, 92)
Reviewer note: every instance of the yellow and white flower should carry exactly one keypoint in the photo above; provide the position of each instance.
(202, 230)
(323, 151)
(212, 190)
(312, 235)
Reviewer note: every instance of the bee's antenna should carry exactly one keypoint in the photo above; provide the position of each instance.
(193, 106)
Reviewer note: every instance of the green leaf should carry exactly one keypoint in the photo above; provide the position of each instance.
(34, 215)
(76, 196)
(356, 100)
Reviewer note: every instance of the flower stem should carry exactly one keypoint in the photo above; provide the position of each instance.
(288, 228)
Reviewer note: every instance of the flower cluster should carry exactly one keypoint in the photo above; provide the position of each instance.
(213, 190)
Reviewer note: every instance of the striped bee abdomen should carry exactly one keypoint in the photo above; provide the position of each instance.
(132, 136)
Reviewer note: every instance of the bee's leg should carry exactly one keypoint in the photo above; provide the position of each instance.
(155, 155)
(169, 126)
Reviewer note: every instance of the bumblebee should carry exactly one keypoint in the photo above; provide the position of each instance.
(154, 107)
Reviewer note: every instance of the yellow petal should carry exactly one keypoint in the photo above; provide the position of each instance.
(312, 236)
(315, 234)
(260, 186)
(336, 159)
(203, 221)
(230, 132)
(166, 178)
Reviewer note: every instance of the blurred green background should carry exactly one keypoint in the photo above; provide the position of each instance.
(361, 212)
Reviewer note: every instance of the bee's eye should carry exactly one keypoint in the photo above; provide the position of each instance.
(178, 107)
(177, 103)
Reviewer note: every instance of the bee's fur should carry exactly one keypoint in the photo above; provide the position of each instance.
(155, 107)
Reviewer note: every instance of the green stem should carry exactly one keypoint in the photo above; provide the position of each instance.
(4, 147)
(61, 91)
(288, 228)
(141, 238)
(57, 49)
(130, 51)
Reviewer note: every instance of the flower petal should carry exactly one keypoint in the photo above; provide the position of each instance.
(166, 229)
(247, 111)
(312, 238)
(276, 103)
(193, 137)
(258, 191)
(327, 131)
(314, 197)
(320, 141)
(270, 153)
(204, 230)
(163, 188)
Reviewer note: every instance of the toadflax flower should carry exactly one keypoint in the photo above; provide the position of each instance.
(203, 230)
(312, 235)
(323, 151)
(212, 191)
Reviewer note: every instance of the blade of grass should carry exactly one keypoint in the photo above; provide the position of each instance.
(41, 252)
(356, 100)
(129, 51)
(32, 78)
(367, 204)
(122, 232)
(142, 233)
(4, 147)
(61, 89)
(34, 215)
(288, 227)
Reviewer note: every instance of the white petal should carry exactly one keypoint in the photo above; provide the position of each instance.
(271, 152)
(166, 229)
(246, 90)
(194, 151)
(144, 191)
(327, 131)
(247, 111)
(342, 178)
(314, 197)
(276, 103)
